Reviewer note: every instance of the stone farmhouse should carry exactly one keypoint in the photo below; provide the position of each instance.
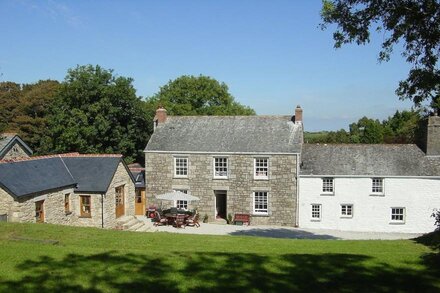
(69, 189)
(234, 164)
(382, 187)
(260, 166)
(12, 147)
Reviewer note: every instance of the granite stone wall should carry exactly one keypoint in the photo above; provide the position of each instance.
(23, 209)
(239, 186)
(16, 151)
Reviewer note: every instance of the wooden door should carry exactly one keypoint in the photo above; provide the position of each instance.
(139, 202)
(39, 211)
(120, 200)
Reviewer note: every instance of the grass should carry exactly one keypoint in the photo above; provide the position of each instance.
(47, 258)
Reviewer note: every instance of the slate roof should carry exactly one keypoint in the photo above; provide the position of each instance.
(88, 173)
(7, 141)
(227, 134)
(93, 174)
(33, 176)
(139, 176)
(367, 159)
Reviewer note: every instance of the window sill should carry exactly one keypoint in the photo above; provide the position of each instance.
(180, 177)
(262, 215)
(377, 194)
(220, 178)
(397, 223)
(84, 217)
(327, 194)
(315, 220)
(261, 178)
(346, 217)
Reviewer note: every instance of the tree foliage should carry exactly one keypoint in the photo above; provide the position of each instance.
(413, 23)
(97, 112)
(24, 109)
(402, 127)
(198, 95)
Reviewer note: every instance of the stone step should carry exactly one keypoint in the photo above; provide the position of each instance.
(136, 226)
(144, 228)
(220, 221)
(130, 223)
(124, 219)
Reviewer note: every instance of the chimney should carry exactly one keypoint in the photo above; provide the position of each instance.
(433, 136)
(298, 115)
(160, 117)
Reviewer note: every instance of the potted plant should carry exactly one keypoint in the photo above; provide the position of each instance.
(205, 218)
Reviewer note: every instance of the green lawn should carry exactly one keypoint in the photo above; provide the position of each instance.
(93, 260)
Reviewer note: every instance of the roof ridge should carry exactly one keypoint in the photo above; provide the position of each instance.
(362, 144)
(65, 155)
(227, 116)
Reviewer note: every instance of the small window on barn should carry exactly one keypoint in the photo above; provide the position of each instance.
(346, 210)
(67, 203)
(85, 206)
(261, 202)
(181, 204)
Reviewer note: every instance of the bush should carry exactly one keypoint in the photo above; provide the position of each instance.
(436, 216)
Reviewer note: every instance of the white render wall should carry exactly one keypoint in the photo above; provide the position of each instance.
(371, 213)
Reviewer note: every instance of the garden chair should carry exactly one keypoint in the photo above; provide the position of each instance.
(193, 221)
(159, 221)
(180, 221)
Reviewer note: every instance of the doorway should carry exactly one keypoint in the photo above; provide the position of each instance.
(120, 201)
(139, 202)
(39, 211)
(220, 204)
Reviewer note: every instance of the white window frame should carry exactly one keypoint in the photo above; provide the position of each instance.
(214, 165)
(403, 215)
(346, 210)
(327, 185)
(181, 168)
(181, 204)
(313, 211)
(373, 186)
(257, 174)
(260, 211)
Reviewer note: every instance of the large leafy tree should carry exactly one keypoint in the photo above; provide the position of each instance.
(24, 109)
(415, 24)
(198, 95)
(98, 112)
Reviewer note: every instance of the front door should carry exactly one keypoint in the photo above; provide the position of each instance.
(120, 200)
(220, 204)
(39, 211)
(139, 202)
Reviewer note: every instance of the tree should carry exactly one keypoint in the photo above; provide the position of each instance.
(413, 23)
(10, 93)
(201, 95)
(97, 112)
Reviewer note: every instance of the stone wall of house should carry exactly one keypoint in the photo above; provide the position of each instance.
(16, 151)
(23, 209)
(240, 185)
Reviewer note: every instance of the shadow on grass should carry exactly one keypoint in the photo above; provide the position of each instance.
(281, 233)
(432, 259)
(216, 272)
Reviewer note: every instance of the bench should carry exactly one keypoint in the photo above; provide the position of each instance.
(241, 219)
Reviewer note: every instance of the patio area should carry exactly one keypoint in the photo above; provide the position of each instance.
(276, 232)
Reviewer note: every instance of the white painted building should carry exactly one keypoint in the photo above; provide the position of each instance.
(374, 188)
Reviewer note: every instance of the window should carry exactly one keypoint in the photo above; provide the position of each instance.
(347, 210)
(85, 206)
(181, 167)
(181, 204)
(398, 215)
(220, 167)
(138, 196)
(327, 185)
(67, 203)
(260, 202)
(316, 212)
(377, 185)
(261, 166)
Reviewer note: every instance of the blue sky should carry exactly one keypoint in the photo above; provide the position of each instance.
(271, 54)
